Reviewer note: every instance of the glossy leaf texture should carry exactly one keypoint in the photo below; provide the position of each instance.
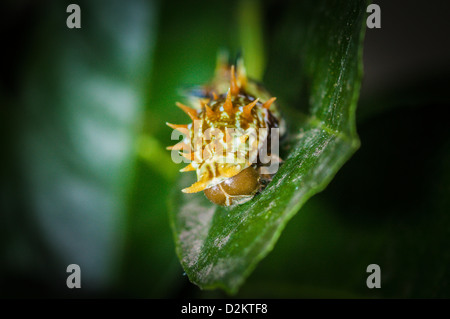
(314, 68)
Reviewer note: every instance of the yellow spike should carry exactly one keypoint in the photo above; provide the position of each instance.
(228, 105)
(234, 87)
(194, 188)
(230, 170)
(214, 95)
(189, 111)
(243, 138)
(269, 102)
(188, 168)
(189, 156)
(178, 147)
(248, 108)
(182, 128)
(177, 126)
(209, 111)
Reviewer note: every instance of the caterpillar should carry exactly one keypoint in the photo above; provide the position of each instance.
(232, 143)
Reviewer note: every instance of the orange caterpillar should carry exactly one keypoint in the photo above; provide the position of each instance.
(230, 142)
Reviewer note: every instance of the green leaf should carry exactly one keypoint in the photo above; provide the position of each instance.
(219, 247)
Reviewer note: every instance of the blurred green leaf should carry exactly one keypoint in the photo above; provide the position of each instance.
(219, 247)
(81, 94)
(252, 37)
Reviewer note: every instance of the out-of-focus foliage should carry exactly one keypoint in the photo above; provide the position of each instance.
(73, 123)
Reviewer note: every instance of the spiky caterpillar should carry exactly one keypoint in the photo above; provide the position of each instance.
(233, 122)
